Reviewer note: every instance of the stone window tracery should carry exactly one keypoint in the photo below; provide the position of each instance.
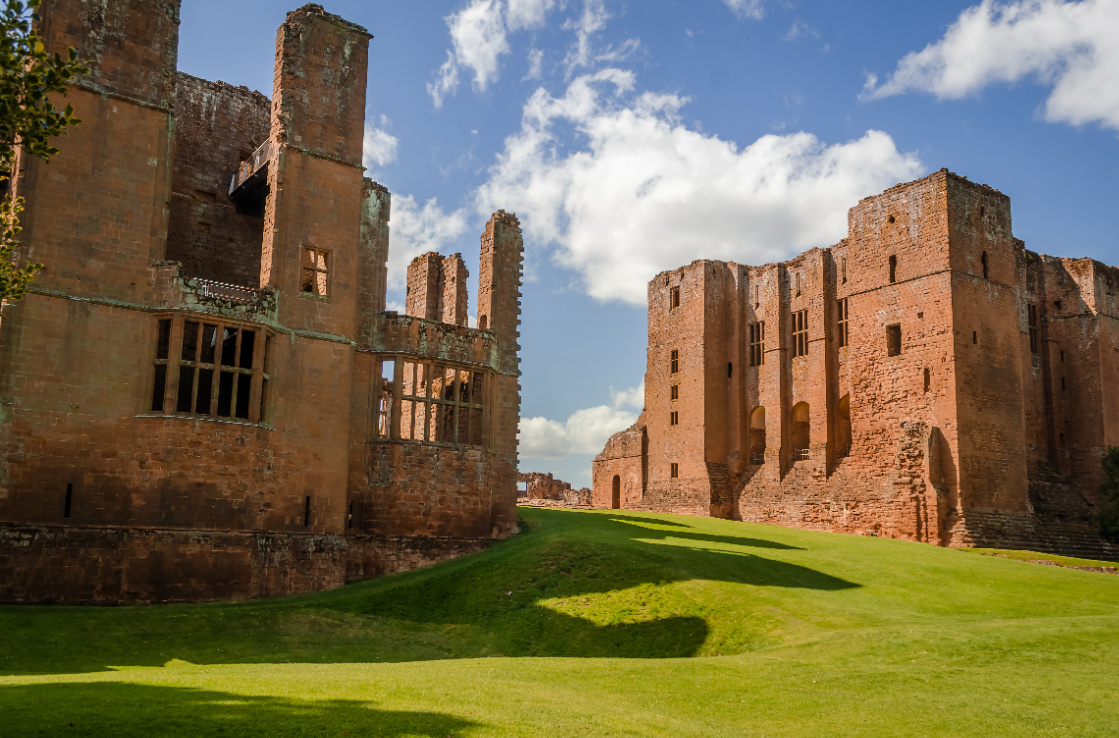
(674, 362)
(800, 333)
(757, 343)
(209, 368)
(432, 402)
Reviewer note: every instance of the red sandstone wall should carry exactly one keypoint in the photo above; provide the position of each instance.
(217, 126)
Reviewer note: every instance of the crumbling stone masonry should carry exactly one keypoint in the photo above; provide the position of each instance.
(203, 396)
(539, 486)
(926, 378)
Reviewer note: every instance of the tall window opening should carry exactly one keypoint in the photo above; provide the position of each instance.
(674, 393)
(841, 315)
(69, 500)
(757, 436)
(928, 379)
(306, 511)
(800, 333)
(316, 271)
(616, 493)
(218, 368)
(757, 343)
(441, 404)
(674, 298)
(730, 370)
(674, 470)
(1035, 330)
(893, 269)
(798, 283)
(674, 418)
(674, 362)
(843, 427)
(843, 270)
(893, 340)
(986, 266)
(800, 434)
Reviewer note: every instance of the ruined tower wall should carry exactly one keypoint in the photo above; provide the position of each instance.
(453, 301)
(374, 256)
(217, 126)
(423, 295)
(625, 457)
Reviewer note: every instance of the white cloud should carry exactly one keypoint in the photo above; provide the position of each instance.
(378, 145)
(592, 21)
(1072, 47)
(417, 229)
(479, 37)
(800, 29)
(624, 190)
(747, 8)
(535, 64)
(585, 432)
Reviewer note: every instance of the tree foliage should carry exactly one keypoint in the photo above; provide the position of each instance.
(29, 120)
(1109, 496)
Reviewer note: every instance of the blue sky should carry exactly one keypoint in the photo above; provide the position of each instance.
(632, 137)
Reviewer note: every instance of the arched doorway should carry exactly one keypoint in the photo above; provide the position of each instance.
(800, 432)
(843, 428)
(616, 494)
(757, 436)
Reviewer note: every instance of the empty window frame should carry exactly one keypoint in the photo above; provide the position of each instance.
(893, 340)
(757, 343)
(841, 317)
(315, 277)
(437, 403)
(212, 369)
(674, 362)
(674, 298)
(674, 393)
(674, 470)
(1035, 330)
(800, 333)
(674, 418)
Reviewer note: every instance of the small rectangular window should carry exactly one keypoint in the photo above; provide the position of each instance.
(757, 343)
(674, 418)
(674, 470)
(893, 340)
(675, 392)
(841, 314)
(316, 272)
(306, 511)
(800, 333)
(674, 362)
(1035, 330)
(674, 298)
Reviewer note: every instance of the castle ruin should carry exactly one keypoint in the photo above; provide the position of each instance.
(203, 396)
(926, 378)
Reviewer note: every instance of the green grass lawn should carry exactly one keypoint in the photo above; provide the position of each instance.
(599, 623)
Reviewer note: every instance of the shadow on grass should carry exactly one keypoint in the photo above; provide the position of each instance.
(574, 584)
(122, 709)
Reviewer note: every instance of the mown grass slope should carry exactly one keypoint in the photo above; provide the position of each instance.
(600, 623)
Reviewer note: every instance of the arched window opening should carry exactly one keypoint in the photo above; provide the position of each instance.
(893, 269)
(800, 432)
(616, 494)
(986, 266)
(757, 436)
(843, 428)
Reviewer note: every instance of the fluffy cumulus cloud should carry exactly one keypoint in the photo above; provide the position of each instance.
(1072, 47)
(623, 189)
(417, 229)
(378, 145)
(585, 431)
(479, 38)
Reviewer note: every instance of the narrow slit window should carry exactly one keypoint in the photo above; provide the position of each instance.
(893, 269)
(674, 470)
(730, 370)
(316, 272)
(674, 298)
(841, 316)
(757, 343)
(674, 362)
(928, 379)
(986, 266)
(69, 501)
(307, 511)
(1035, 330)
(843, 270)
(893, 340)
(800, 333)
